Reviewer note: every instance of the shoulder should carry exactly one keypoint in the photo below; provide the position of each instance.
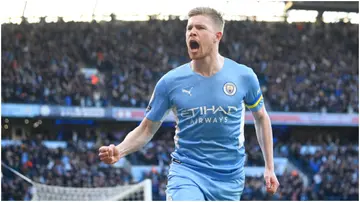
(176, 73)
(240, 69)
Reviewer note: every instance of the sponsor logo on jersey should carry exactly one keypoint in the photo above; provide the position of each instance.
(207, 114)
(148, 108)
(205, 110)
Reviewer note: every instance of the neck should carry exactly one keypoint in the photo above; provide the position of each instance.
(209, 65)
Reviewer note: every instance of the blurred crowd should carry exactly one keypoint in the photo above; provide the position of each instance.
(329, 159)
(330, 164)
(70, 167)
(301, 67)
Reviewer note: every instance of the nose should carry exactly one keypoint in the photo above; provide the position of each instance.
(193, 32)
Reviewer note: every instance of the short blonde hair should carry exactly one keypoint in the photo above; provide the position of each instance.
(212, 13)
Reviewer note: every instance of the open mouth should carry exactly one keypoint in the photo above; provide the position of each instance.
(194, 45)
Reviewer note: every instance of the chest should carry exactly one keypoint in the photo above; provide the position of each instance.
(209, 93)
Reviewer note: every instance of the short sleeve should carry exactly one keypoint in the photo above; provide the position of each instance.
(253, 98)
(159, 103)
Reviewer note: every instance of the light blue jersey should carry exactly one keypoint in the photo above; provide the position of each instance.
(210, 116)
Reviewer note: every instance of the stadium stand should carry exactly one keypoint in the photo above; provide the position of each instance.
(329, 159)
(302, 67)
(289, 59)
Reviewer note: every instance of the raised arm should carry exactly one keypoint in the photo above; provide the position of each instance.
(158, 107)
(134, 141)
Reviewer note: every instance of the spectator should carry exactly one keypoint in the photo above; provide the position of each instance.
(308, 68)
(77, 164)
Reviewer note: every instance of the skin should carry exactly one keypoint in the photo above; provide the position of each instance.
(206, 61)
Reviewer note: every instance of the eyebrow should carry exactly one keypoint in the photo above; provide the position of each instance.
(196, 25)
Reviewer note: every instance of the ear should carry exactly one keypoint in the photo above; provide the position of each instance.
(218, 36)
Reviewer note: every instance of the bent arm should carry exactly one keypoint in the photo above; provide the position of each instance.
(138, 137)
(264, 136)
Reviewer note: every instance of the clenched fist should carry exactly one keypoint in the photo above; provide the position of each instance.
(109, 154)
(272, 183)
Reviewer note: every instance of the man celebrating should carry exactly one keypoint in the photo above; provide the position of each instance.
(208, 97)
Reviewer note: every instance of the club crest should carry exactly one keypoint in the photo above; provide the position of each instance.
(229, 89)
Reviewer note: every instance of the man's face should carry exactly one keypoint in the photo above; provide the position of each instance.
(201, 36)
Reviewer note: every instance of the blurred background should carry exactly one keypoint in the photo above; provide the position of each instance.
(77, 75)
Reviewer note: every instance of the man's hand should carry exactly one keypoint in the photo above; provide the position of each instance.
(109, 154)
(271, 181)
